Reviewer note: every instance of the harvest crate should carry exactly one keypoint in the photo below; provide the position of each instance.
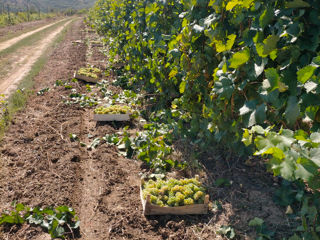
(152, 209)
(85, 78)
(111, 117)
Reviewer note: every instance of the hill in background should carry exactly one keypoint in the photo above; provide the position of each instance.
(45, 5)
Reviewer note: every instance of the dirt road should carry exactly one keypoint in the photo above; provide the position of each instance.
(26, 59)
(15, 30)
(23, 59)
(10, 42)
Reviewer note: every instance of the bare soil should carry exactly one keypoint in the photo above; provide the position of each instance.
(41, 166)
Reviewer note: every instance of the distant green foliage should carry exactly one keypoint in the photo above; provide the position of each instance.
(49, 5)
(19, 17)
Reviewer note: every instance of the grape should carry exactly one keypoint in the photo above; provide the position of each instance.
(160, 203)
(89, 72)
(188, 192)
(164, 190)
(179, 197)
(198, 195)
(177, 188)
(165, 198)
(114, 109)
(196, 189)
(154, 191)
(171, 201)
(188, 201)
(153, 199)
(174, 192)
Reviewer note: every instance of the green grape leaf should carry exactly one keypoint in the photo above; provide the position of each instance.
(259, 69)
(310, 86)
(292, 111)
(247, 137)
(240, 58)
(305, 169)
(273, 79)
(275, 152)
(197, 28)
(256, 222)
(20, 207)
(182, 87)
(232, 4)
(268, 46)
(224, 88)
(315, 137)
(222, 47)
(315, 156)
(295, 237)
(287, 169)
(316, 60)
(297, 4)
(261, 114)
(247, 107)
(266, 17)
(304, 74)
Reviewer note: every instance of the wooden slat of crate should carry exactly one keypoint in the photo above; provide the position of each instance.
(85, 78)
(152, 209)
(111, 117)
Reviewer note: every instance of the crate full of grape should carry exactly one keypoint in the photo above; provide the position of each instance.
(112, 113)
(173, 197)
(88, 74)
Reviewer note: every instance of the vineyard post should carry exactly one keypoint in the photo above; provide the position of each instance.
(9, 17)
(37, 5)
(28, 12)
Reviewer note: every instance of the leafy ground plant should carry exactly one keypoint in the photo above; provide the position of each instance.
(152, 146)
(58, 222)
(227, 232)
(262, 231)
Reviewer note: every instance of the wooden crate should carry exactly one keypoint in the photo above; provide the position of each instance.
(152, 209)
(111, 117)
(85, 78)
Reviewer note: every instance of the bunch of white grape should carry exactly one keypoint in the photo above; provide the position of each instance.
(173, 192)
(89, 72)
(114, 109)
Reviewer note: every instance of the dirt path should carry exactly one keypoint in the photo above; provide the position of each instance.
(26, 59)
(10, 42)
(11, 31)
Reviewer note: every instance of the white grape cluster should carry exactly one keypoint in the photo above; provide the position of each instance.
(89, 72)
(173, 192)
(114, 109)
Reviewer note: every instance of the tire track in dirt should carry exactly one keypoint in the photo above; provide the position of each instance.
(110, 188)
(26, 61)
(14, 40)
(110, 182)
